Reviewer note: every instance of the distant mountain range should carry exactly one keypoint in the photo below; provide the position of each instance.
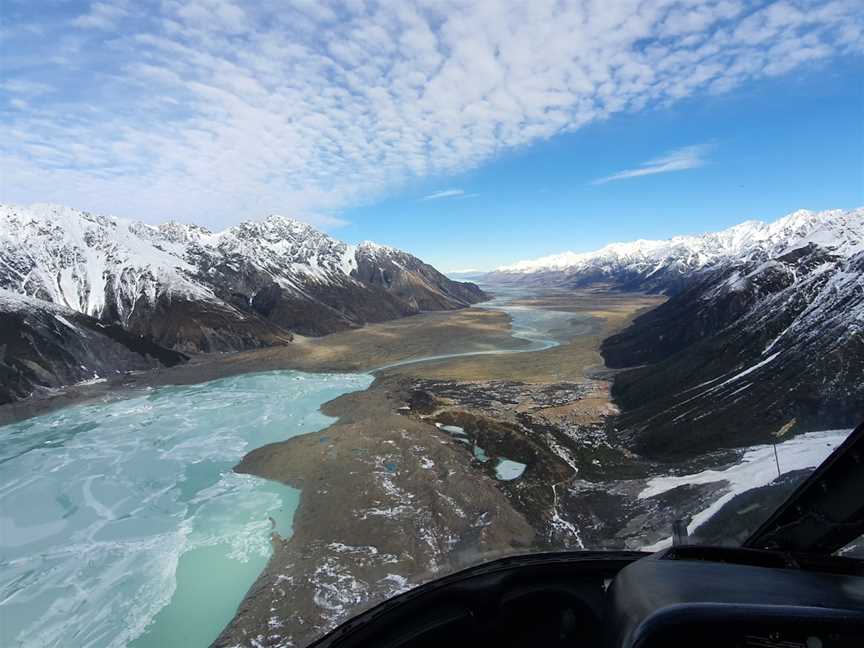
(668, 265)
(184, 289)
(765, 323)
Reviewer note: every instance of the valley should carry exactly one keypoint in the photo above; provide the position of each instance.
(380, 467)
(111, 288)
(318, 474)
(392, 496)
(409, 472)
(440, 464)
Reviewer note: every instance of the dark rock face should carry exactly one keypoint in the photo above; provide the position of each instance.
(45, 348)
(744, 349)
(412, 281)
(383, 284)
(203, 327)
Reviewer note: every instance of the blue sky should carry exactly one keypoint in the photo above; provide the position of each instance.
(769, 148)
(471, 133)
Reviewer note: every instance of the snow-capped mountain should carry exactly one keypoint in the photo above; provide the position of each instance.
(666, 265)
(195, 290)
(750, 342)
(765, 323)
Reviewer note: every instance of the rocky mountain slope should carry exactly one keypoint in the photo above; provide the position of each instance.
(44, 346)
(765, 324)
(193, 290)
(668, 265)
(748, 344)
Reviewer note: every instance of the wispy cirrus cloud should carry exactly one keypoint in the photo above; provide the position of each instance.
(447, 193)
(102, 15)
(687, 157)
(218, 110)
(25, 88)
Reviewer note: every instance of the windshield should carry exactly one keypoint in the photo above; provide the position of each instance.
(615, 296)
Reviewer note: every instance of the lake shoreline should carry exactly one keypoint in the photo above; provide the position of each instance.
(380, 431)
(346, 351)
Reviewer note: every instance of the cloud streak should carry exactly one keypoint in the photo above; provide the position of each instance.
(218, 110)
(102, 15)
(687, 157)
(447, 193)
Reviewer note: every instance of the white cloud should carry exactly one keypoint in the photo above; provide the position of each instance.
(217, 110)
(102, 15)
(25, 87)
(687, 157)
(447, 193)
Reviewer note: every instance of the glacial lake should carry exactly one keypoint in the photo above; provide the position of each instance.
(122, 523)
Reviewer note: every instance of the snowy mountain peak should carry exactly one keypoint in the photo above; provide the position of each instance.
(182, 232)
(377, 248)
(282, 224)
(207, 286)
(272, 229)
(842, 231)
(106, 266)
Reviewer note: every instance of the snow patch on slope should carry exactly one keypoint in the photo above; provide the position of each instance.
(756, 468)
(78, 259)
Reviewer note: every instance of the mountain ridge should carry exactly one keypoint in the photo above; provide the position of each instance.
(764, 324)
(278, 272)
(84, 296)
(749, 343)
(664, 265)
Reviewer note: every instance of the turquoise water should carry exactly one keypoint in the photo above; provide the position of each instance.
(122, 523)
(533, 325)
(508, 470)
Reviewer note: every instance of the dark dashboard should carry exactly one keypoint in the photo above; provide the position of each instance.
(709, 597)
(685, 596)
